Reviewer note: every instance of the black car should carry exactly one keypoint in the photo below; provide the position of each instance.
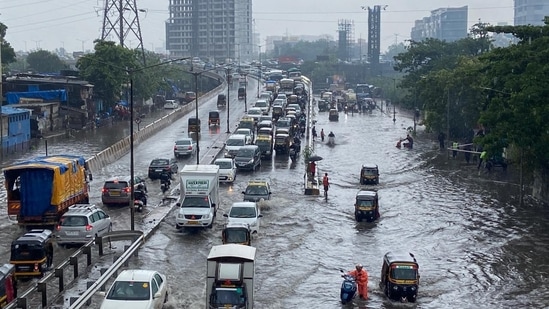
(159, 166)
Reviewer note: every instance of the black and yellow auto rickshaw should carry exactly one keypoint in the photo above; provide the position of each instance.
(193, 125)
(237, 234)
(265, 144)
(282, 143)
(8, 284)
(213, 118)
(221, 100)
(278, 112)
(400, 276)
(369, 174)
(366, 206)
(241, 93)
(32, 254)
(333, 114)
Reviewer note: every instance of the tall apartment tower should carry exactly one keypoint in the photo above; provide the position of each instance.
(446, 24)
(531, 12)
(213, 29)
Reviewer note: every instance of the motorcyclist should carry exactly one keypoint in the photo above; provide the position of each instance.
(140, 194)
(331, 134)
(410, 141)
(361, 278)
(165, 179)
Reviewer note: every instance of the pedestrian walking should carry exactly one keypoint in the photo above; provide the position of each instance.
(314, 132)
(441, 137)
(455, 146)
(322, 134)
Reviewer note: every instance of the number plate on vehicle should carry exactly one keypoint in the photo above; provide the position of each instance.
(71, 233)
(193, 222)
(158, 170)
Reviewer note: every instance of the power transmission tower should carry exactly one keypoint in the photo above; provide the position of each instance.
(121, 18)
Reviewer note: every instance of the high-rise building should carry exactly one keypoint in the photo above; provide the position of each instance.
(213, 29)
(446, 24)
(531, 12)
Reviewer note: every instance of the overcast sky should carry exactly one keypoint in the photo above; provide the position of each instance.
(51, 24)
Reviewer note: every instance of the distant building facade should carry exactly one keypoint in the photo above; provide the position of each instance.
(446, 24)
(531, 12)
(15, 131)
(213, 29)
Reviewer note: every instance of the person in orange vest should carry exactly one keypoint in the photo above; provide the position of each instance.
(361, 278)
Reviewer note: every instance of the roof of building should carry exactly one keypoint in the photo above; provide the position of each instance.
(8, 110)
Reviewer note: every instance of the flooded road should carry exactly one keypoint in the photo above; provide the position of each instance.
(476, 248)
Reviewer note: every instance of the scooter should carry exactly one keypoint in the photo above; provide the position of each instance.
(348, 288)
(331, 140)
(140, 200)
(165, 185)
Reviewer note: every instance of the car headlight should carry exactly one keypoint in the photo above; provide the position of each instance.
(207, 217)
(180, 216)
(395, 287)
(413, 288)
(251, 161)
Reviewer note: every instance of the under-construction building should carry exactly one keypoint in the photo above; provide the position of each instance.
(346, 29)
(215, 29)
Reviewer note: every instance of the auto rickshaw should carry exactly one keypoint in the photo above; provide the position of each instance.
(193, 125)
(369, 173)
(241, 93)
(265, 144)
(32, 254)
(213, 118)
(8, 284)
(282, 143)
(278, 112)
(333, 114)
(248, 123)
(293, 99)
(400, 276)
(323, 105)
(237, 233)
(366, 206)
(221, 100)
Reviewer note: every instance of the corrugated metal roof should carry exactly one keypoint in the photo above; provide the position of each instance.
(8, 110)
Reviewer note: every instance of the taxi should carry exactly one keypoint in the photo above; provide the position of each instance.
(257, 190)
(265, 144)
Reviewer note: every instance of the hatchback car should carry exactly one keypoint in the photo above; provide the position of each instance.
(233, 144)
(117, 190)
(263, 105)
(171, 104)
(82, 223)
(161, 165)
(184, 147)
(248, 157)
(248, 133)
(247, 213)
(135, 288)
(257, 190)
(255, 113)
(227, 169)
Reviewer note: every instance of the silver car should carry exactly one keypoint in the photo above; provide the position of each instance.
(184, 147)
(82, 223)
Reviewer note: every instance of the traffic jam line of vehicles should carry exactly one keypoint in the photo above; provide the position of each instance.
(63, 189)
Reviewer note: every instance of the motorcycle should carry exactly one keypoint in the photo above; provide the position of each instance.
(140, 200)
(165, 185)
(348, 288)
(331, 140)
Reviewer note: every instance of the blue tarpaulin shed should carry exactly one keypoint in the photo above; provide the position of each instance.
(46, 95)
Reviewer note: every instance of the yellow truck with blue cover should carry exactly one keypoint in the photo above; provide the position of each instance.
(40, 190)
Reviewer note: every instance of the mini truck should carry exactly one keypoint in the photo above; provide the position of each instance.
(40, 190)
(199, 189)
(230, 277)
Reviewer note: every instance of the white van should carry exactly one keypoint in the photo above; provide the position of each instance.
(233, 144)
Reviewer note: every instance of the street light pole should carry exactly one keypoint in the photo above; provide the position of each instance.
(197, 126)
(228, 71)
(246, 93)
(132, 170)
(259, 69)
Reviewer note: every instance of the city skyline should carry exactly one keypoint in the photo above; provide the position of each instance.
(74, 25)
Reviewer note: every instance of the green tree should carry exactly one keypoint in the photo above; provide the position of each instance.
(45, 61)
(8, 54)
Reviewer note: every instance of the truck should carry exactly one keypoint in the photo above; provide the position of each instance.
(199, 202)
(286, 86)
(230, 277)
(40, 190)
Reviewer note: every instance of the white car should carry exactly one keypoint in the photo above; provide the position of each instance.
(245, 213)
(227, 169)
(255, 113)
(233, 145)
(137, 289)
(263, 105)
(248, 132)
(171, 104)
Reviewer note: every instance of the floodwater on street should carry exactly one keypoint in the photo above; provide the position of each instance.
(475, 246)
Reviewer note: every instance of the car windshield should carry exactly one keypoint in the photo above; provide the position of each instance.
(365, 203)
(283, 123)
(242, 212)
(261, 104)
(183, 142)
(74, 221)
(236, 236)
(244, 132)
(225, 165)
(229, 297)
(160, 162)
(256, 190)
(235, 142)
(130, 290)
(403, 273)
(245, 152)
(196, 201)
(254, 112)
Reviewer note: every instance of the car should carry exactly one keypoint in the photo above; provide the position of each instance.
(190, 96)
(257, 190)
(297, 109)
(255, 113)
(278, 102)
(247, 213)
(82, 223)
(265, 117)
(233, 144)
(162, 165)
(248, 133)
(116, 190)
(265, 96)
(248, 157)
(227, 169)
(184, 147)
(263, 105)
(136, 288)
(171, 104)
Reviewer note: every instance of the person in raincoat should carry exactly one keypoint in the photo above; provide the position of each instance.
(361, 278)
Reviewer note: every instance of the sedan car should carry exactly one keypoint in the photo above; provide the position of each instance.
(161, 165)
(227, 169)
(248, 133)
(137, 289)
(184, 147)
(247, 213)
